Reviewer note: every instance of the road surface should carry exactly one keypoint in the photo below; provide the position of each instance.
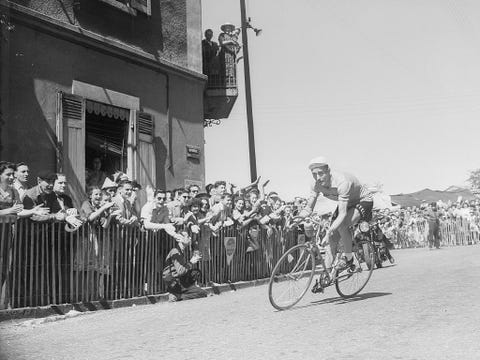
(427, 306)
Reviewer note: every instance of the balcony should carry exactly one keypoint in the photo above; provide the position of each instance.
(221, 91)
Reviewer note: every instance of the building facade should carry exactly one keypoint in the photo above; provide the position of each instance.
(119, 80)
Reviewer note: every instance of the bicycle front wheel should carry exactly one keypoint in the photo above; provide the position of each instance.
(291, 277)
(351, 281)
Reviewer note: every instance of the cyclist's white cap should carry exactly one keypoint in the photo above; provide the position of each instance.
(319, 161)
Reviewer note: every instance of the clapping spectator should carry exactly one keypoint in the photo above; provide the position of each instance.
(95, 210)
(61, 205)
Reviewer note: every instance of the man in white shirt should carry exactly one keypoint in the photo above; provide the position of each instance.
(21, 179)
(155, 215)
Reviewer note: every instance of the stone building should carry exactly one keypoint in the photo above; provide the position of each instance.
(116, 79)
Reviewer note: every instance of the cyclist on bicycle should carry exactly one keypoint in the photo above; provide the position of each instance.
(354, 203)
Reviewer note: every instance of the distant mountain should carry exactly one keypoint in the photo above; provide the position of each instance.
(427, 195)
(455, 188)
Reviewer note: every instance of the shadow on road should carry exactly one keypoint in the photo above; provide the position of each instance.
(386, 266)
(340, 301)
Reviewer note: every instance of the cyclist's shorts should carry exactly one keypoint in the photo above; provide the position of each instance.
(364, 207)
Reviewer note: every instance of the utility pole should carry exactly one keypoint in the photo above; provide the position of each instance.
(248, 93)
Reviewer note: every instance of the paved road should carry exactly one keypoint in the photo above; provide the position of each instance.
(425, 307)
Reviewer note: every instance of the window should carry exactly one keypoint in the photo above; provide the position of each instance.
(112, 129)
(131, 6)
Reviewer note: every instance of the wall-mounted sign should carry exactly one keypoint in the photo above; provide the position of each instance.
(189, 182)
(193, 152)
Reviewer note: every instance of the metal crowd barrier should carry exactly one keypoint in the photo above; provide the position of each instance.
(451, 232)
(459, 231)
(42, 264)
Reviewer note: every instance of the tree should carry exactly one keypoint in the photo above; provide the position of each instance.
(474, 180)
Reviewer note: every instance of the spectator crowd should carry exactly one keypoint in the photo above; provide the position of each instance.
(192, 216)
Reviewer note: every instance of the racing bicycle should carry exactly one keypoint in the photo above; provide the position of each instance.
(294, 272)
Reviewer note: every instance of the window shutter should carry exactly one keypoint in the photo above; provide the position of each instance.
(145, 154)
(71, 143)
(144, 6)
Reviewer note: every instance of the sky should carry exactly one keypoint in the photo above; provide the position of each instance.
(387, 90)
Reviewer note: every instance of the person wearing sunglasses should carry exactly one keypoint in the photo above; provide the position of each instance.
(156, 216)
(193, 191)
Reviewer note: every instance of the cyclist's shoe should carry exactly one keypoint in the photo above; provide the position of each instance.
(344, 264)
(317, 288)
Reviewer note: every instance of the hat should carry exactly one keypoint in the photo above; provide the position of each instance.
(109, 184)
(119, 176)
(317, 162)
(227, 27)
(47, 175)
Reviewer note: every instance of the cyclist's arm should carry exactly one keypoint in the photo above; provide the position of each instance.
(312, 200)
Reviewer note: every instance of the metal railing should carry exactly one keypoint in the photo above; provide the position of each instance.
(42, 264)
(221, 70)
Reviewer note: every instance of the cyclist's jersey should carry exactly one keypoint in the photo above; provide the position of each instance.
(345, 187)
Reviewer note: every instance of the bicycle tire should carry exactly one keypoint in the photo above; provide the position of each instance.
(297, 264)
(349, 284)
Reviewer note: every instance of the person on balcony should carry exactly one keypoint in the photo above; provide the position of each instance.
(210, 57)
(229, 48)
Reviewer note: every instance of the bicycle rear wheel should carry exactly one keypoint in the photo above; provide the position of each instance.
(351, 281)
(291, 277)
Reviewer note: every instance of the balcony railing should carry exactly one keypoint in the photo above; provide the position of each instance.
(221, 70)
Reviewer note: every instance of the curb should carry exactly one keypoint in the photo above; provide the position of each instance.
(64, 311)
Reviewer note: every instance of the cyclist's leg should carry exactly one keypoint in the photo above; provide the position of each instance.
(331, 249)
(353, 216)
